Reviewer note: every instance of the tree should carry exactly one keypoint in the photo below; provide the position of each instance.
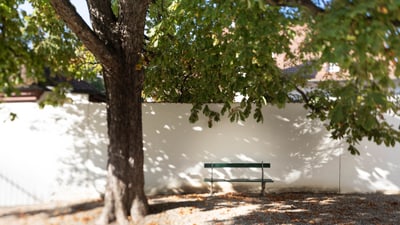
(117, 40)
(209, 51)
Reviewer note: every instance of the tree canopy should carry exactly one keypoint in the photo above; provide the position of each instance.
(210, 51)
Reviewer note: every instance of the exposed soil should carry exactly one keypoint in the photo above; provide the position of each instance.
(283, 208)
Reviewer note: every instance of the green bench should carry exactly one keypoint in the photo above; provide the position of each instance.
(261, 180)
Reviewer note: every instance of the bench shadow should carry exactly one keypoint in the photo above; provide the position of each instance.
(202, 204)
(205, 203)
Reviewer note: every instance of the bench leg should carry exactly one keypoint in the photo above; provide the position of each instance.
(262, 188)
(212, 179)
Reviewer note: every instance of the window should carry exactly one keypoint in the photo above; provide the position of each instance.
(333, 68)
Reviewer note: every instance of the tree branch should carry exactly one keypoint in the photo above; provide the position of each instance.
(131, 20)
(308, 4)
(131, 13)
(74, 21)
(102, 18)
(303, 95)
(396, 23)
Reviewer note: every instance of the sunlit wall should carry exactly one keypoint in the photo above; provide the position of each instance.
(59, 153)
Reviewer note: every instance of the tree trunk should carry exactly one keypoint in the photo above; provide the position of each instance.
(125, 178)
(117, 43)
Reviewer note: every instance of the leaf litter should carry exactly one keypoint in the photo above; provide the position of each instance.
(227, 208)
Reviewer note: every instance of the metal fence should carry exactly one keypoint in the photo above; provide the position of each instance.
(12, 193)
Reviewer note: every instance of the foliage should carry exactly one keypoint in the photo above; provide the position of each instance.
(212, 51)
(208, 51)
(362, 38)
(12, 45)
(31, 42)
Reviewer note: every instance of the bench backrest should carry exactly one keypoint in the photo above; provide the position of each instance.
(237, 165)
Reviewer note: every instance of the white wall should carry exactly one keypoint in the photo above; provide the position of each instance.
(60, 153)
(45, 151)
(376, 169)
(299, 150)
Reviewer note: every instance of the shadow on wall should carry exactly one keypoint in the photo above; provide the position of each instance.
(55, 153)
(63, 151)
(299, 150)
(303, 157)
(377, 168)
(84, 166)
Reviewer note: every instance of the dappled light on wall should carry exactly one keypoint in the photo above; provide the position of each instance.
(303, 157)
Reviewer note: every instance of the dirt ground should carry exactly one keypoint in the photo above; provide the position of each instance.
(283, 208)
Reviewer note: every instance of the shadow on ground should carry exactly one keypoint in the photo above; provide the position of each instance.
(51, 210)
(249, 209)
(310, 208)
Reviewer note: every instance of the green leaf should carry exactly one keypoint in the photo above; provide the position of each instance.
(353, 150)
(13, 116)
(337, 114)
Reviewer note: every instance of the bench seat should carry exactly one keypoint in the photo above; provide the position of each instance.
(261, 180)
(238, 180)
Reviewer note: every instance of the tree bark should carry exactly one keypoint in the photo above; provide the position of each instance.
(125, 178)
(91, 39)
(117, 42)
